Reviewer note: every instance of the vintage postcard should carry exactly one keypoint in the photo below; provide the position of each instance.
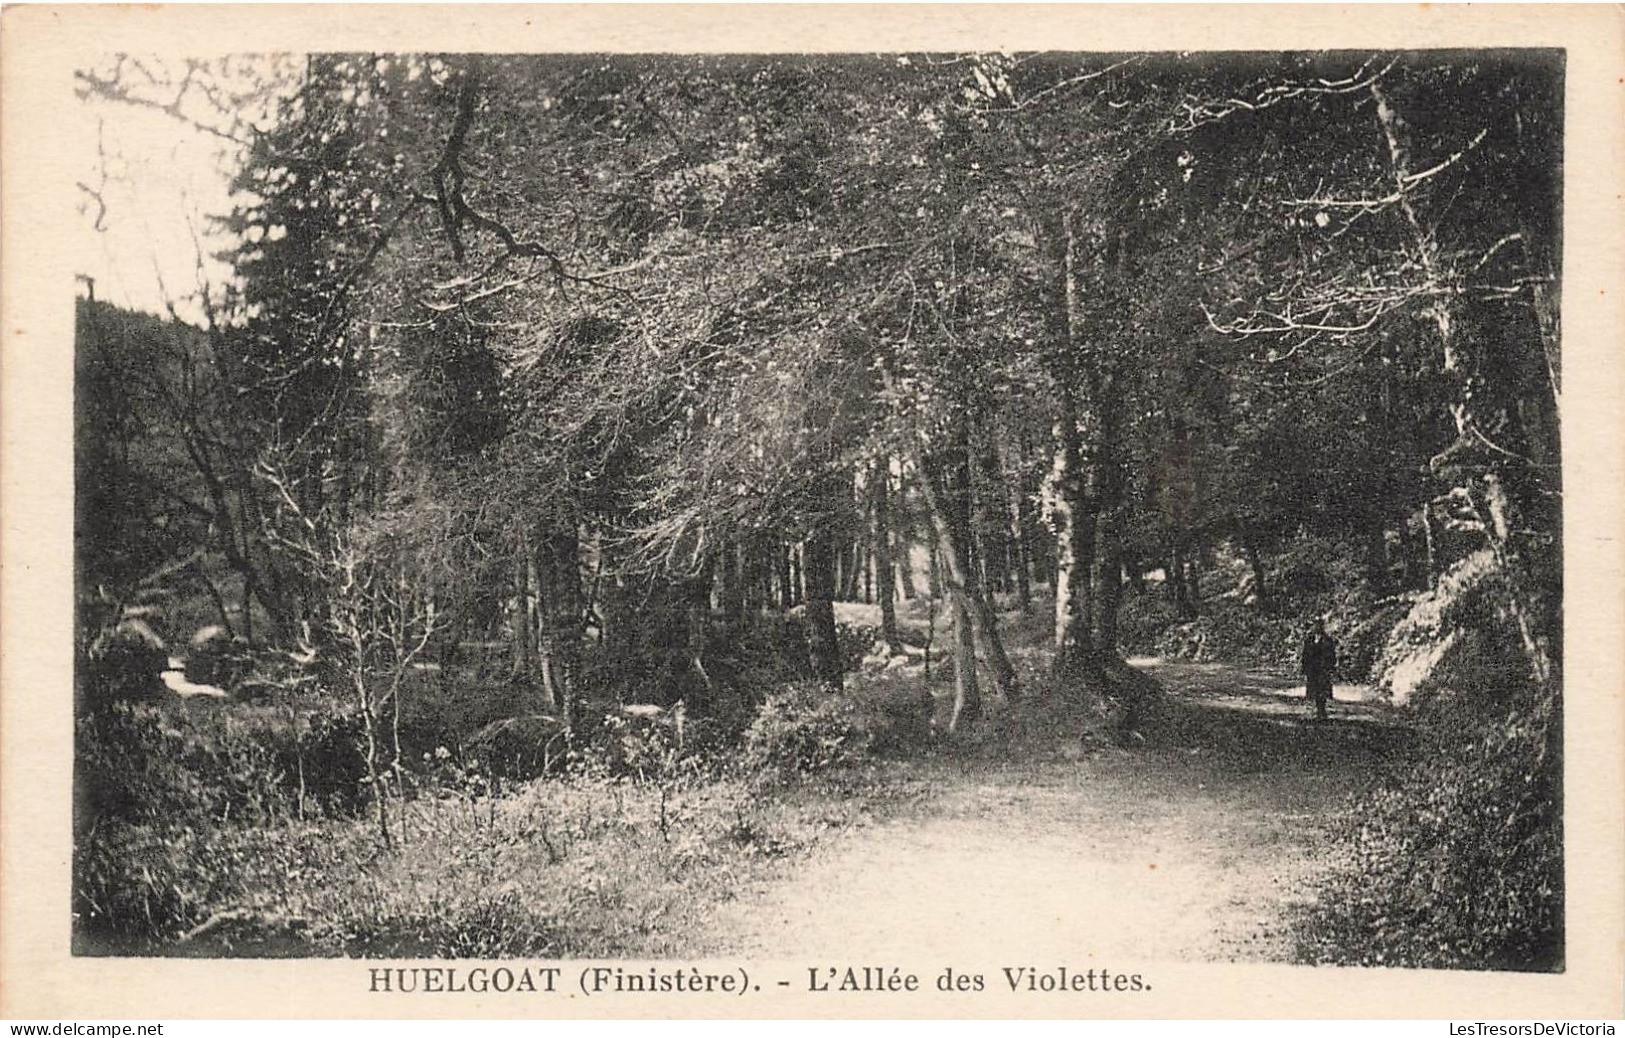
(812, 511)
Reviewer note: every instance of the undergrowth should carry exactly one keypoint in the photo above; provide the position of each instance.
(204, 832)
(1456, 861)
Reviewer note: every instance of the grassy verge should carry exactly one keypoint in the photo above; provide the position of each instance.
(197, 837)
(568, 868)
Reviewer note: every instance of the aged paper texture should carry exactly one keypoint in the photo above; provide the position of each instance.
(41, 978)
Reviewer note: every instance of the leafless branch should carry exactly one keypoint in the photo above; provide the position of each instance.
(94, 196)
(1406, 181)
(112, 89)
(1262, 322)
(1197, 112)
(1067, 84)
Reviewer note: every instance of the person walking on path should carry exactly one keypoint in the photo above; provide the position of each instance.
(1319, 662)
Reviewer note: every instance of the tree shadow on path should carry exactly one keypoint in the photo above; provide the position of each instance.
(1192, 844)
(1264, 720)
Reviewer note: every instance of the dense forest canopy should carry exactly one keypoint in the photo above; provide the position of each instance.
(676, 315)
(608, 361)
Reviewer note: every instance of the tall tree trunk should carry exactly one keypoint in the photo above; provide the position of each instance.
(564, 614)
(947, 493)
(248, 611)
(818, 563)
(698, 621)
(1256, 561)
(761, 577)
(904, 559)
(525, 620)
(1022, 545)
(1068, 504)
(992, 510)
(1174, 583)
(1497, 508)
(1035, 545)
(730, 593)
(842, 567)
(218, 597)
(540, 620)
(1376, 557)
(798, 581)
(1525, 603)
(882, 553)
(1071, 517)
(1108, 591)
(851, 567)
(1430, 553)
(967, 708)
(787, 598)
(1110, 482)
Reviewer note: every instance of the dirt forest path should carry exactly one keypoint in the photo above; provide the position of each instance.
(1188, 853)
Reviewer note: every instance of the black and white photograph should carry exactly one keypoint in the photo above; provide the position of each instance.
(958, 522)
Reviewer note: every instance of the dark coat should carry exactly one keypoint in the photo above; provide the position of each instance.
(1319, 663)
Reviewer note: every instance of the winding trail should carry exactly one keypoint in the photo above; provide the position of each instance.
(1186, 853)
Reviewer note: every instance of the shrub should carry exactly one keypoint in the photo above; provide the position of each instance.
(1456, 862)
(892, 714)
(125, 667)
(854, 639)
(497, 924)
(215, 658)
(1311, 573)
(205, 763)
(325, 762)
(1141, 621)
(1360, 641)
(137, 882)
(801, 729)
(584, 863)
(140, 887)
(516, 748)
(1456, 635)
(130, 765)
(1234, 634)
(140, 762)
(617, 745)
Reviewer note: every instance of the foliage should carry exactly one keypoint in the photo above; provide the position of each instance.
(647, 749)
(1142, 620)
(855, 640)
(787, 267)
(1306, 576)
(121, 665)
(141, 888)
(585, 865)
(512, 748)
(803, 729)
(1228, 632)
(1462, 601)
(212, 765)
(136, 379)
(898, 715)
(761, 652)
(1457, 860)
(1361, 640)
